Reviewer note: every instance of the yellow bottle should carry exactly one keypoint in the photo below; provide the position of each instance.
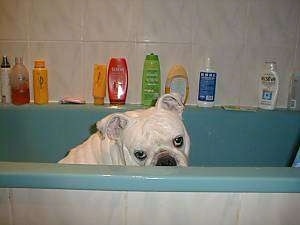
(99, 84)
(40, 82)
(177, 82)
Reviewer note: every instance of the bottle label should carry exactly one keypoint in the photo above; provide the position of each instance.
(267, 95)
(151, 87)
(207, 86)
(268, 80)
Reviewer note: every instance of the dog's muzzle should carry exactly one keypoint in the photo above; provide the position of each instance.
(165, 159)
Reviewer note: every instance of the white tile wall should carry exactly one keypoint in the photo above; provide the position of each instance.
(42, 206)
(72, 35)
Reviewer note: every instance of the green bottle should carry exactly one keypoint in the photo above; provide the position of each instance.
(151, 83)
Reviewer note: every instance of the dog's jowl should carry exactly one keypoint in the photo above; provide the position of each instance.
(150, 137)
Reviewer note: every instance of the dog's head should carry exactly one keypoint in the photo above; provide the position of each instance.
(155, 136)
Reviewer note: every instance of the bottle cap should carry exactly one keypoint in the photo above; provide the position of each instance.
(99, 101)
(152, 57)
(19, 60)
(39, 63)
(5, 63)
(208, 63)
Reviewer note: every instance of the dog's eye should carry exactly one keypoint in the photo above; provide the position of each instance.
(141, 155)
(178, 141)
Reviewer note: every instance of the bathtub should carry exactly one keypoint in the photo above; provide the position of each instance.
(239, 171)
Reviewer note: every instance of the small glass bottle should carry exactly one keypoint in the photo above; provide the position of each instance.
(19, 81)
(40, 82)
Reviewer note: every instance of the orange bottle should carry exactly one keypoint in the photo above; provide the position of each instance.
(99, 84)
(40, 82)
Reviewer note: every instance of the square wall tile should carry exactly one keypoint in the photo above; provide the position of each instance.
(219, 22)
(164, 21)
(100, 53)
(14, 19)
(169, 54)
(273, 22)
(182, 208)
(55, 207)
(227, 62)
(255, 56)
(109, 20)
(56, 20)
(64, 63)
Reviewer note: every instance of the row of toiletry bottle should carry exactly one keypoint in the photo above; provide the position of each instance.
(116, 78)
(177, 81)
(15, 82)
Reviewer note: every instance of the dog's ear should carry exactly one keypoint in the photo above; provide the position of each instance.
(170, 102)
(112, 125)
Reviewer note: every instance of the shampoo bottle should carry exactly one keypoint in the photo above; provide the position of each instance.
(207, 86)
(99, 84)
(117, 81)
(268, 86)
(40, 82)
(19, 81)
(5, 84)
(151, 82)
(177, 82)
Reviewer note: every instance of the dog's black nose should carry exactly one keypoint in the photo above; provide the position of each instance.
(166, 160)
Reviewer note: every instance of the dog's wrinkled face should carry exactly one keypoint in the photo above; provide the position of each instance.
(157, 139)
(152, 137)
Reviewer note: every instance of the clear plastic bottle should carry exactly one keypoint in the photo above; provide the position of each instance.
(268, 86)
(19, 81)
(207, 85)
(5, 84)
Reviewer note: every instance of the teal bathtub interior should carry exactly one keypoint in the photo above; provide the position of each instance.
(231, 151)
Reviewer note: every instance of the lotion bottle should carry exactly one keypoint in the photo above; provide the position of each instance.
(207, 85)
(268, 86)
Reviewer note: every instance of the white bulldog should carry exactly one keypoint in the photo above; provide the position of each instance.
(150, 137)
